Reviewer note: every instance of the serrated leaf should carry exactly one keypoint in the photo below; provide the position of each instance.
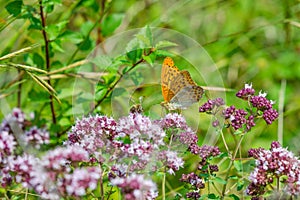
(165, 43)
(14, 8)
(110, 23)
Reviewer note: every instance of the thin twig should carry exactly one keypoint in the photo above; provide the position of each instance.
(231, 164)
(116, 82)
(47, 58)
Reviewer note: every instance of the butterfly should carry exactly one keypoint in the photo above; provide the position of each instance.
(178, 88)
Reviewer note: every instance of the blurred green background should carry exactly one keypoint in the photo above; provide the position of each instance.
(250, 41)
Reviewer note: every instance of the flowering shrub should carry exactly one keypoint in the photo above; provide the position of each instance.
(127, 153)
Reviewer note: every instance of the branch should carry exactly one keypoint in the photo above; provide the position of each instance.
(47, 56)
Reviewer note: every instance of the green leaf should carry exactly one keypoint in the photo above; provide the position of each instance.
(238, 132)
(86, 27)
(149, 35)
(238, 165)
(136, 77)
(38, 60)
(53, 30)
(55, 45)
(35, 23)
(134, 55)
(213, 196)
(102, 61)
(163, 53)
(110, 23)
(118, 91)
(240, 185)
(73, 37)
(85, 45)
(145, 42)
(14, 8)
(233, 196)
(148, 59)
(220, 180)
(165, 43)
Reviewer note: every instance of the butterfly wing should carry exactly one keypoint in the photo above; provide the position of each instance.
(178, 88)
(186, 96)
(168, 73)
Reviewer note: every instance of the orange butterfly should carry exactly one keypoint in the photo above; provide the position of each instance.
(178, 88)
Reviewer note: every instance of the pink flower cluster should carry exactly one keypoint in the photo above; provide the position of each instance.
(136, 186)
(276, 164)
(259, 107)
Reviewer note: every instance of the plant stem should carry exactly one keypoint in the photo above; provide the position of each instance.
(163, 186)
(47, 57)
(230, 165)
(117, 81)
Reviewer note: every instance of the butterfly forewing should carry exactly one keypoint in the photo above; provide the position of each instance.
(168, 72)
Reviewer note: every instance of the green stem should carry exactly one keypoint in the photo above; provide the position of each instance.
(230, 165)
(163, 186)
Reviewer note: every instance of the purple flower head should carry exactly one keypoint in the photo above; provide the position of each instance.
(37, 136)
(211, 105)
(193, 195)
(188, 137)
(270, 115)
(261, 102)
(59, 158)
(17, 116)
(81, 181)
(271, 164)
(193, 179)
(93, 133)
(228, 112)
(136, 187)
(246, 92)
(7, 145)
(250, 122)
(173, 120)
(137, 136)
(236, 116)
(206, 151)
(171, 161)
